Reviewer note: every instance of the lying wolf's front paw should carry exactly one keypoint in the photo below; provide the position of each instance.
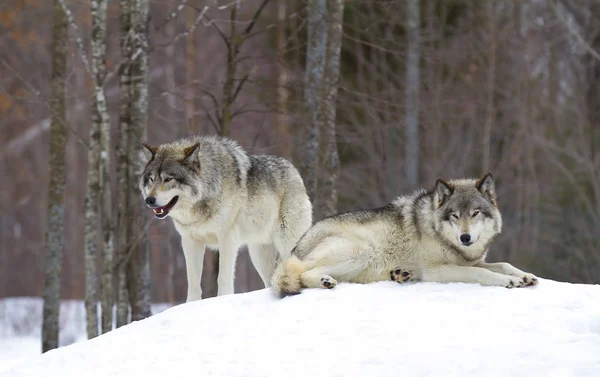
(529, 279)
(514, 282)
(328, 282)
(400, 276)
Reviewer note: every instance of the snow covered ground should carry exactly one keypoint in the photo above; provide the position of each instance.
(382, 329)
(20, 327)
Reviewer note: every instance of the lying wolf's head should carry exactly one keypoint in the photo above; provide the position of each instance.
(466, 211)
(170, 179)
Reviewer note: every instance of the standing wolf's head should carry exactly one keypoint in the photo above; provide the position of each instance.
(170, 179)
(466, 213)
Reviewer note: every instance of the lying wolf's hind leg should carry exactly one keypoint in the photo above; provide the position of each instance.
(317, 279)
(400, 275)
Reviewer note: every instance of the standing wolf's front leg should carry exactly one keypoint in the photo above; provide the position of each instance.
(509, 269)
(228, 251)
(193, 251)
(464, 274)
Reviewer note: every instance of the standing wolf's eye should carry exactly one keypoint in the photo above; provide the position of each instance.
(454, 216)
(475, 213)
(168, 179)
(150, 179)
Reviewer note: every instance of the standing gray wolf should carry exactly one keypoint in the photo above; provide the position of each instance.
(441, 235)
(219, 196)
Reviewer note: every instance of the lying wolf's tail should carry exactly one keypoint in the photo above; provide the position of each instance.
(286, 278)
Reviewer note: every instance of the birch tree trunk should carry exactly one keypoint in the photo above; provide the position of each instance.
(56, 184)
(123, 219)
(316, 56)
(139, 264)
(101, 121)
(94, 182)
(331, 79)
(411, 133)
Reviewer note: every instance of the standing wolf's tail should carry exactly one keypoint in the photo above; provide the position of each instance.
(286, 278)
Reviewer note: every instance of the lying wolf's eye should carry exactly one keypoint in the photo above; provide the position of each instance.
(168, 179)
(475, 213)
(150, 179)
(454, 216)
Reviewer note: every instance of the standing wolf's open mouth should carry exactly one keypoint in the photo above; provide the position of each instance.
(162, 212)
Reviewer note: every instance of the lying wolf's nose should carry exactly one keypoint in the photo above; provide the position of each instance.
(151, 200)
(464, 238)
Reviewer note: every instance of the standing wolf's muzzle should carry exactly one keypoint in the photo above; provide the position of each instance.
(160, 212)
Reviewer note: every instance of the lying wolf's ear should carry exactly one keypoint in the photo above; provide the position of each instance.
(443, 191)
(486, 186)
(149, 151)
(189, 153)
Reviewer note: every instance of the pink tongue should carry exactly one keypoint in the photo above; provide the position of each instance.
(159, 211)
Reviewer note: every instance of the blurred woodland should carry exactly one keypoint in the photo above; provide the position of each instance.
(426, 89)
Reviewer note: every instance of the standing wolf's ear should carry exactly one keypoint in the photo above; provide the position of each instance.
(486, 186)
(189, 153)
(149, 151)
(443, 190)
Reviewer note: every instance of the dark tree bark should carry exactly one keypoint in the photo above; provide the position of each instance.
(413, 77)
(124, 220)
(316, 56)
(56, 185)
(139, 264)
(331, 79)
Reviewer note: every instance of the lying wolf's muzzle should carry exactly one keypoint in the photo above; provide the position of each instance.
(161, 212)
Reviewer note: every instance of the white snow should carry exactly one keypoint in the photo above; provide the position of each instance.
(381, 329)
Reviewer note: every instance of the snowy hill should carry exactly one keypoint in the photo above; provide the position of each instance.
(382, 329)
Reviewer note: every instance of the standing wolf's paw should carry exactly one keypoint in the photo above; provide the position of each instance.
(328, 282)
(400, 275)
(515, 282)
(529, 279)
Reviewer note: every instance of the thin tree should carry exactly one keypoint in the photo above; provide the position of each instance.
(94, 183)
(224, 112)
(328, 108)
(316, 56)
(101, 121)
(56, 185)
(139, 264)
(124, 220)
(413, 77)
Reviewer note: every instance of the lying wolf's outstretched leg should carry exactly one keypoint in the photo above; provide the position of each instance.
(317, 278)
(464, 274)
(509, 269)
(400, 275)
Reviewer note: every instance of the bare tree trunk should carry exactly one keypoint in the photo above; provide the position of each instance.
(490, 111)
(139, 265)
(124, 221)
(56, 185)
(171, 31)
(331, 79)
(413, 77)
(95, 184)
(101, 118)
(190, 53)
(284, 142)
(316, 56)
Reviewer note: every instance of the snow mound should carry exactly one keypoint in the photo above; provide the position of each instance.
(381, 329)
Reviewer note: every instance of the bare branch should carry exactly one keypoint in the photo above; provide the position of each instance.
(173, 14)
(78, 39)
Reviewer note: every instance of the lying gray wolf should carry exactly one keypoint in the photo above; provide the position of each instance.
(219, 196)
(441, 235)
